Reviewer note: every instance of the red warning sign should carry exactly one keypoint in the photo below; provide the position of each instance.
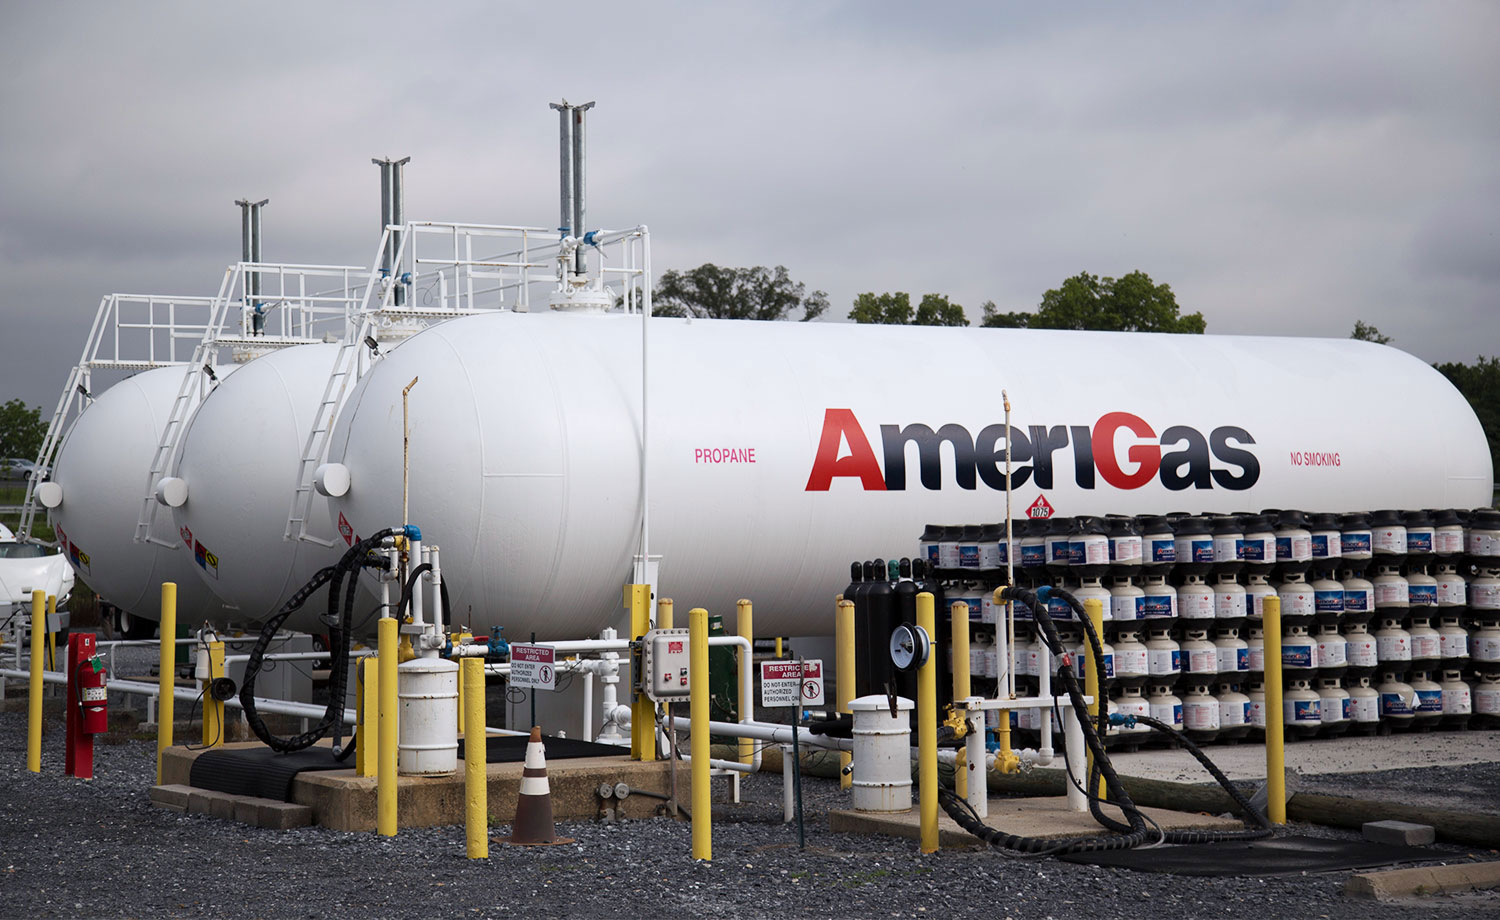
(346, 530)
(1039, 508)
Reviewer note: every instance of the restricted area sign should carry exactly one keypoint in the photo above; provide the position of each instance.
(533, 666)
(791, 683)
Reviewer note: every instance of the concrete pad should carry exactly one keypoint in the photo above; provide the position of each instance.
(281, 816)
(1048, 817)
(1424, 880)
(341, 800)
(211, 803)
(1399, 833)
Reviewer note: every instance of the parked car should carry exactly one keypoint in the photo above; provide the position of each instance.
(16, 468)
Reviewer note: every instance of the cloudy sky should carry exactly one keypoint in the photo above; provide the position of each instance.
(1287, 168)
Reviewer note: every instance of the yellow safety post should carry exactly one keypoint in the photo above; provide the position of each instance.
(213, 710)
(463, 638)
(642, 711)
(1093, 608)
(961, 689)
(703, 843)
(744, 619)
(843, 629)
(385, 789)
(927, 730)
(1275, 753)
(476, 773)
(34, 698)
(167, 667)
(778, 646)
(664, 613)
(52, 636)
(367, 704)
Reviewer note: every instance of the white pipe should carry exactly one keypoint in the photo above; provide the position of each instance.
(788, 805)
(438, 613)
(417, 597)
(1077, 760)
(766, 731)
(588, 705)
(1044, 690)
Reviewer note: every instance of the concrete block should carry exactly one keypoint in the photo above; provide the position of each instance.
(281, 816)
(1399, 833)
(213, 804)
(172, 797)
(1424, 881)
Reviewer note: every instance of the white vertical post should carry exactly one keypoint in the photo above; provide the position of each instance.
(1077, 761)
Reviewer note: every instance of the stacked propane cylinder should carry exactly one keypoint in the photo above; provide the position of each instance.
(1390, 620)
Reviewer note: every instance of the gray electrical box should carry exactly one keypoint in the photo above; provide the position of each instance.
(664, 664)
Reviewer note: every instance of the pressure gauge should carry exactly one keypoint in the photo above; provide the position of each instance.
(910, 646)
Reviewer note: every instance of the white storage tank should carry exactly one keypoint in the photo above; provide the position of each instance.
(239, 459)
(101, 473)
(780, 451)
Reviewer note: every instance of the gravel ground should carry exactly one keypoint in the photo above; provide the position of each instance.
(98, 849)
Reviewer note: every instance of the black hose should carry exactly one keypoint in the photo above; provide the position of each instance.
(1125, 835)
(339, 622)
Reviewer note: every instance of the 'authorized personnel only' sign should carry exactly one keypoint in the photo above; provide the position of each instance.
(791, 683)
(533, 666)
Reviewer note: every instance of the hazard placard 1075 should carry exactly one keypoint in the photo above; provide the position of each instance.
(791, 683)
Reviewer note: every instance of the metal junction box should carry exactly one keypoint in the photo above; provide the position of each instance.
(664, 664)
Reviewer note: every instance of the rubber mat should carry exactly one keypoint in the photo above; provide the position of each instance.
(1274, 856)
(512, 749)
(259, 771)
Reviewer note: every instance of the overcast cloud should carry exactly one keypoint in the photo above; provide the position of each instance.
(1288, 169)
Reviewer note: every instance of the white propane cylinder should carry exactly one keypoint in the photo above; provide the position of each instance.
(1127, 603)
(1398, 701)
(1160, 602)
(1458, 701)
(1234, 710)
(1200, 711)
(239, 457)
(1364, 703)
(1165, 706)
(1361, 650)
(1392, 643)
(527, 438)
(1229, 599)
(1091, 589)
(1453, 641)
(1484, 644)
(1336, 706)
(1257, 712)
(1195, 600)
(1200, 657)
(1487, 699)
(101, 470)
(882, 754)
(1255, 649)
(1302, 708)
(1131, 703)
(1427, 711)
(427, 727)
(1132, 659)
(1163, 654)
(1232, 653)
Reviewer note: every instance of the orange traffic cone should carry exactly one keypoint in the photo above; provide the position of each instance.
(533, 825)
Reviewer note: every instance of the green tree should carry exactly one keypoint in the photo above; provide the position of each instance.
(894, 309)
(735, 293)
(1480, 384)
(21, 430)
(1133, 303)
(1368, 333)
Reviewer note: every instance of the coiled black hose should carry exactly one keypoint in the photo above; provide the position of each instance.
(339, 638)
(1125, 835)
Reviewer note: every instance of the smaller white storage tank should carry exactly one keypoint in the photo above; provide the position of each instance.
(101, 472)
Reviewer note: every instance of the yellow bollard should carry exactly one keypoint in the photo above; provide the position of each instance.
(843, 629)
(1275, 753)
(476, 771)
(367, 704)
(642, 711)
(664, 613)
(52, 636)
(1093, 608)
(34, 698)
(745, 623)
(213, 710)
(927, 730)
(961, 688)
(703, 844)
(778, 646)
(167, 665)
(385, 790)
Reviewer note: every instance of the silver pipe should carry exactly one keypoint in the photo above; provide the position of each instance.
(580, 173)
(385, 210)
(565, 166)
(255, 250)
(398, 218)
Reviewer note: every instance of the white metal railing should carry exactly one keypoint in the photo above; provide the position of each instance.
(310, 303)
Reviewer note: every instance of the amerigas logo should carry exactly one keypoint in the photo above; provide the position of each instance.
(1181, 457)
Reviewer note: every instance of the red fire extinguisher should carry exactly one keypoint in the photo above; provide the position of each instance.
(88, 703)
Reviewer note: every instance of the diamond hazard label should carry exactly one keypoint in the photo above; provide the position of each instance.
(1039, 508)
(347, 531)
